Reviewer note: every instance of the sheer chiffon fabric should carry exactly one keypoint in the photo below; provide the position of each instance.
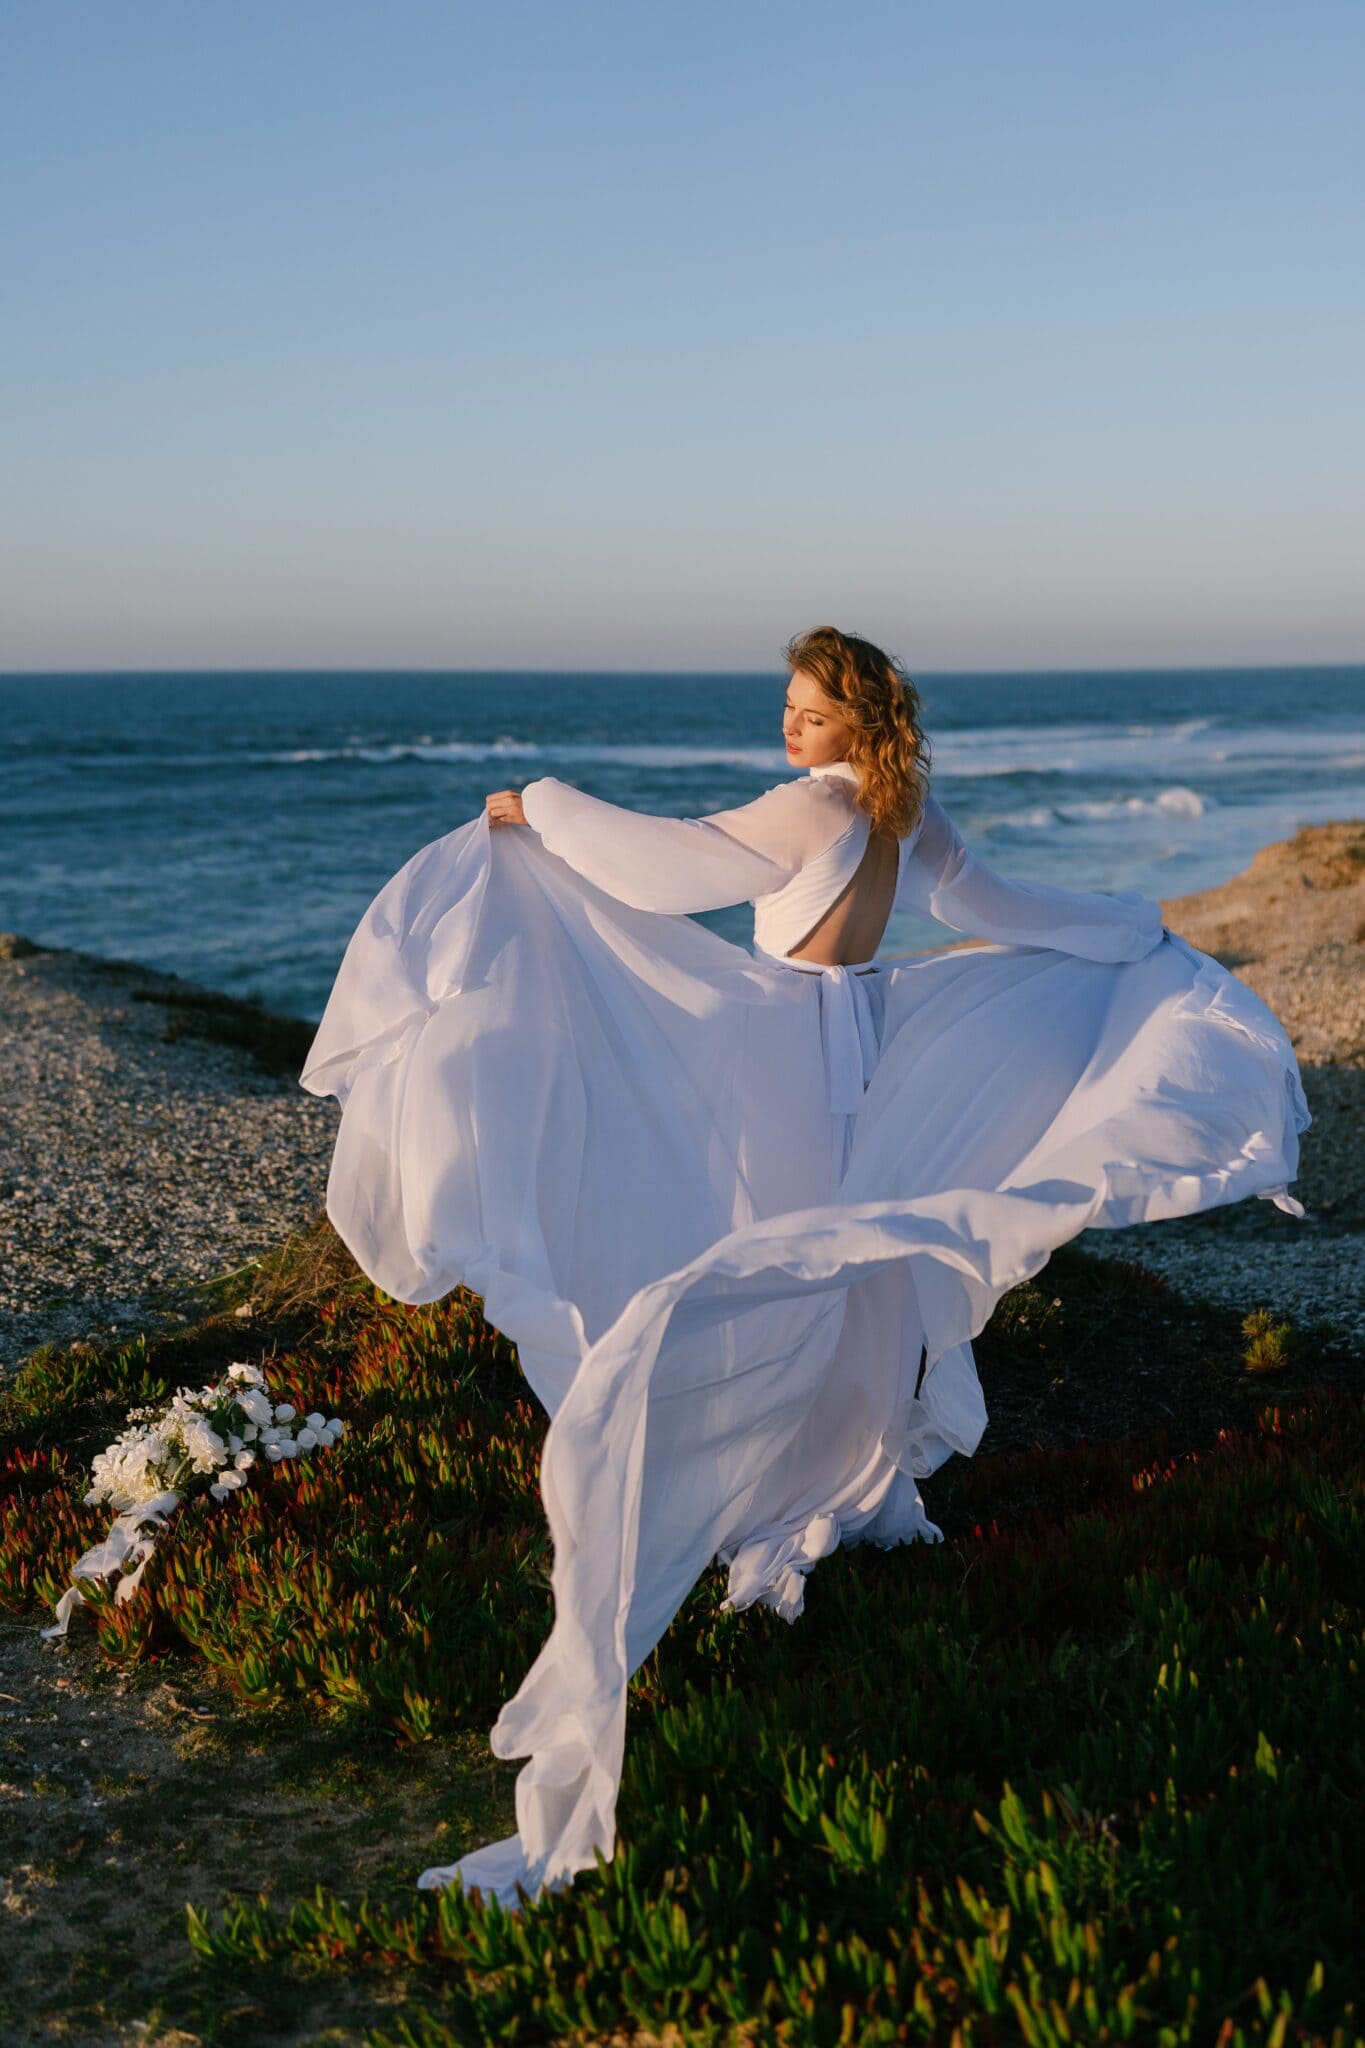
(743, 1215)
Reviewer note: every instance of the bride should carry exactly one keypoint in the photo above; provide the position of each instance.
(742, 1212)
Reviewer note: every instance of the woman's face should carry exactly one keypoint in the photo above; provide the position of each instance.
(812, 724)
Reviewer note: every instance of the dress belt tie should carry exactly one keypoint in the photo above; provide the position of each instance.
(848, 1032)
(849, 1035)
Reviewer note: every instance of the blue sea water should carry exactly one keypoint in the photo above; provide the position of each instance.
(232, 828)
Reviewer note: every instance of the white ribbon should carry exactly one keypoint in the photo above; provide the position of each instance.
(130, 1541)
(848, 1040)
(848, 1033)
(850, 1037)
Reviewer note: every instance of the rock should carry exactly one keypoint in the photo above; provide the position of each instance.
(1292, 927)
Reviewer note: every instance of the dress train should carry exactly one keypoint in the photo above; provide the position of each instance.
(744, 1288)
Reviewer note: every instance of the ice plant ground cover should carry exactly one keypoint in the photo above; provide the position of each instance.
(1091, 1769)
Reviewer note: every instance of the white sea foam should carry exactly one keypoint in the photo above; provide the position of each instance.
(1204, 750)
(1177, 801)
(640, 754)
(1204, 747)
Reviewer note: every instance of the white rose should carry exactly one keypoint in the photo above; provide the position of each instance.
(285, 1412)
(307, 1439)
(316, 1421)
(274, 1452)
(203, 1446)
(146, 1488)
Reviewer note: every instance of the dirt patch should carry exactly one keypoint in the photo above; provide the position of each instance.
(127, 1794)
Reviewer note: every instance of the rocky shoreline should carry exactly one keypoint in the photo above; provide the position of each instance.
(153, 1135)
(1292, 927)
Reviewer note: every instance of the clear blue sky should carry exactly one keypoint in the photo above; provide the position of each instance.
(584, 334)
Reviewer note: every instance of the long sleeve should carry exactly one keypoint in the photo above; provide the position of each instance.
(943, 879)
(681, 865)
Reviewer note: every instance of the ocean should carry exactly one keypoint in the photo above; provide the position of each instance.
(232, 828)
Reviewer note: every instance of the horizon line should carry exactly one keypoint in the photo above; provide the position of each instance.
(758, 674)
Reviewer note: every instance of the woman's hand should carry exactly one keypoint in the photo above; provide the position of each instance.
(504, 807)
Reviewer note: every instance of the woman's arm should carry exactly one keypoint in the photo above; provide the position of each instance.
(943, 879)
(681, 865)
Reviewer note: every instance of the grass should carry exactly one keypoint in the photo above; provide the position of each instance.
(1269, 1343)
(1092, 1769)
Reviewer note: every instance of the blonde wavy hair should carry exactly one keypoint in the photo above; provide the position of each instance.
(888, 746)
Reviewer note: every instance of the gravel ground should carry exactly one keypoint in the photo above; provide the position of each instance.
(136, 1155)
(1299, 1269)
(140, 1153)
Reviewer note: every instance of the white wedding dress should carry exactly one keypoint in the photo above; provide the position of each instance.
(725, 1203)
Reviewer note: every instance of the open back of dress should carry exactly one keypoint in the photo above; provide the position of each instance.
(851, 930)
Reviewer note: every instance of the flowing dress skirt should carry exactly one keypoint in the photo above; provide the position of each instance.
(742, 1218)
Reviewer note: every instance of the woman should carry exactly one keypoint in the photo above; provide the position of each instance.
(743, 1213)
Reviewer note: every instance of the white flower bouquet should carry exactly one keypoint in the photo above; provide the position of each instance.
(203, 1440)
